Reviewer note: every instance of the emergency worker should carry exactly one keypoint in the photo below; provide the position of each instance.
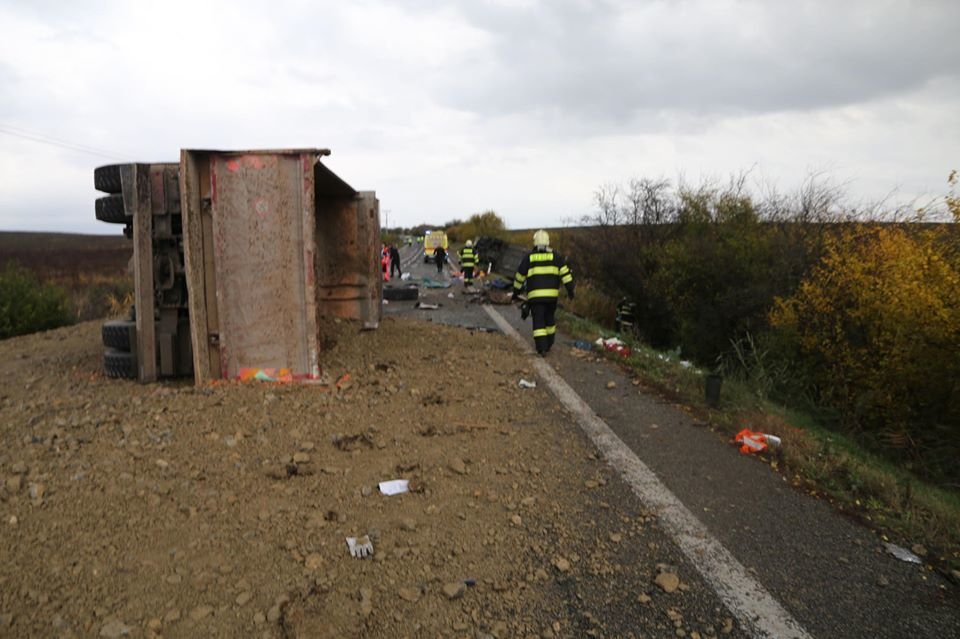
(468, 260)
(626, 316)
(540, 274)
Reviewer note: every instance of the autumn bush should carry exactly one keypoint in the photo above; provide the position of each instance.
(875, 327)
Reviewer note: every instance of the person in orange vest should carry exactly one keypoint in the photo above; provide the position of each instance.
(385, 262)
(540, 274)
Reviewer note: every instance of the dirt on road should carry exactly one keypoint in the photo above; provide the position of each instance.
(222, 511)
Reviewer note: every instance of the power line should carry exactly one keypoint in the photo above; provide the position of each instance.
(52, 141)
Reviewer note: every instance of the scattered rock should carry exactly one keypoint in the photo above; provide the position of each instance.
(409, 594)
(366, 601)
(611, 385)
(561, 564)
(458, 466)
(668, 581)
(243, 598)
(313, 561)
(616, 538)
(643, 598)
(200, 612)
(454, 590)
(114, 628)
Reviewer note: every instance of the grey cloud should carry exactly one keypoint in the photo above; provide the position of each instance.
(601, 60)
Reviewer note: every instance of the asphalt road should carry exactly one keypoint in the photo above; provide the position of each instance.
(830, 573)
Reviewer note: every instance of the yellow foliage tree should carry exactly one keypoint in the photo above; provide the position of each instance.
(878, 324)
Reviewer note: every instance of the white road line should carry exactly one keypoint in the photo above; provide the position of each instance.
(757, 611)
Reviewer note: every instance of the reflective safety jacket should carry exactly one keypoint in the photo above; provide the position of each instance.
(468, 257)
(541, 273)
(626, 312)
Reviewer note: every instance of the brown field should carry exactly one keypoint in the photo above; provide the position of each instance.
(91, 269)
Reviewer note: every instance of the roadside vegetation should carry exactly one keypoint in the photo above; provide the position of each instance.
(49, 280)
(834, 326)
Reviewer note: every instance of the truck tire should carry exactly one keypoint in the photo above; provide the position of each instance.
(107, 178)
(110, 209)
(405, 294)
(120, 334)
(119, 365)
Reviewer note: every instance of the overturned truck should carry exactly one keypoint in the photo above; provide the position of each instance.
(240, 260)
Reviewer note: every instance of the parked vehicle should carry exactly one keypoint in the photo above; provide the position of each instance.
(431, 241)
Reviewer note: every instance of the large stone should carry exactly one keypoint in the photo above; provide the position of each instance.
(668, 581)
(454, 589)
(114, 628)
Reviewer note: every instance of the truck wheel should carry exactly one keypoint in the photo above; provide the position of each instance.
(119, 365)
(110, 209)
(120, 334)
(107, 178)
(406, 294)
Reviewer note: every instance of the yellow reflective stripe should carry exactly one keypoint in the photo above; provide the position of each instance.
(550, 330)
(566, 279)
(543, 270)
(541, 257)
(519, 279)
(564, 269)
(540, 332)
(543, 292)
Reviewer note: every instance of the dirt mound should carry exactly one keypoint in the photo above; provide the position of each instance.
(170, 510)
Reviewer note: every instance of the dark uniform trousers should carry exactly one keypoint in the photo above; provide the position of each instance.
(543, 313)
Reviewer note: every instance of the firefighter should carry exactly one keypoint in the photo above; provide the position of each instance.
(540, 274)
(626, 316)
(468, 260)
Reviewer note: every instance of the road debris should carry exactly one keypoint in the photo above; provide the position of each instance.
(902, 553)
(360, 547)
(426, 307)
(527, 384)
(751, 442)
(394, 486)
(614, 345)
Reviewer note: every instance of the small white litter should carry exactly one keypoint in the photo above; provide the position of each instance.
(394, 486)
(527, 384)
(360, 547)
(902, 553)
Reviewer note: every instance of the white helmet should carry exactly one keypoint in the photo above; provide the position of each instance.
(469, 243)
(541, 238)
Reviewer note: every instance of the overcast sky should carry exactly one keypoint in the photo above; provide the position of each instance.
(452, 107)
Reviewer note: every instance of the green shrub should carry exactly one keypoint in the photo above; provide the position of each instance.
(26, 306)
